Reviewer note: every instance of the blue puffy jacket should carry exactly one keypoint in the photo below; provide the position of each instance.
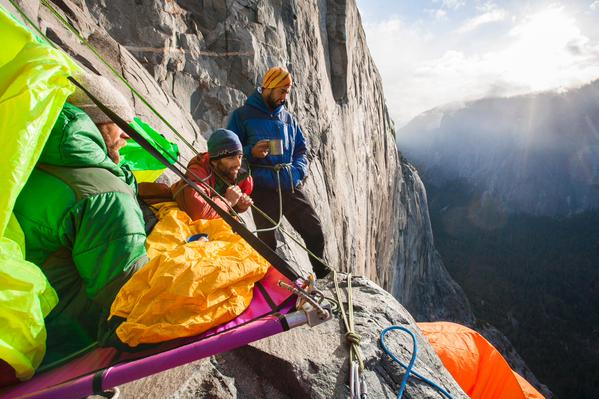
(255, 121)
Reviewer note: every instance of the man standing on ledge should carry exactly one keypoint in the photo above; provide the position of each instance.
(274, 145)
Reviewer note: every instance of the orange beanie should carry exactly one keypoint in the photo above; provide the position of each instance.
(276, 77)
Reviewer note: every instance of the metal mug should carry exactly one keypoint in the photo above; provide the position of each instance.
(275, 146)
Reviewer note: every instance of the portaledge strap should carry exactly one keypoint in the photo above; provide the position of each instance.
(271, 256)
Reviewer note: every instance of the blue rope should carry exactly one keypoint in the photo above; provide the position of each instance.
(410, 366)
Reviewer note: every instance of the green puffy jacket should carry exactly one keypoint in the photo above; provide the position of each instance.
(83, 227)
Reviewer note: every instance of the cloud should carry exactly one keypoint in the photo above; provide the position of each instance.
(538, 51)
(490, 16)
(451, 4)
(548, 49)
(438, 13)
(595, 5)
(398, 48)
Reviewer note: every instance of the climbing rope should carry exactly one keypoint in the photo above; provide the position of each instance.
(410, 366)
(357, 382)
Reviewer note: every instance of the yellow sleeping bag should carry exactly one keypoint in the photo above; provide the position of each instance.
(187, 287)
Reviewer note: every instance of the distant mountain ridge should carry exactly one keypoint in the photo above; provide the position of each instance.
(537, 153)
(513, 193)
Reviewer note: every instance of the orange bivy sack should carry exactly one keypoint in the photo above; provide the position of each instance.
(475, 364)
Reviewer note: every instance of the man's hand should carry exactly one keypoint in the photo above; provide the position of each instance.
(233, 194)
(244, 203)
(260, 149)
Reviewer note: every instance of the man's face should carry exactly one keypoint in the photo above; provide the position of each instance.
(228, 167)
(114, 138)
(276, 97)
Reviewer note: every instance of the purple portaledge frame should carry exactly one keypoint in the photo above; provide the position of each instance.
(104, 368)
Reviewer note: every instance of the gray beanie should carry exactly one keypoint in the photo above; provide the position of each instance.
(104, 91)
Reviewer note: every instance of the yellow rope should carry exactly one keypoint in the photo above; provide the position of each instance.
(352, 338)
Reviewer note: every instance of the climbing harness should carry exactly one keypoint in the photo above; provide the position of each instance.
(410, 366)
(277, 168)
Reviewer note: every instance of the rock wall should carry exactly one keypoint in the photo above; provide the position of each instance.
(420, 279)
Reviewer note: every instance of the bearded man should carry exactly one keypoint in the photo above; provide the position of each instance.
(275, 147)
(82, 223)
(220, 176)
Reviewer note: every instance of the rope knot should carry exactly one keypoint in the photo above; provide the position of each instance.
(353, 337)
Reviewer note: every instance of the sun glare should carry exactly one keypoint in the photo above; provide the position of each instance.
(540, 56)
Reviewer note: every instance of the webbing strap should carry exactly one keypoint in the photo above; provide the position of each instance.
(271, 256)
(267, 298)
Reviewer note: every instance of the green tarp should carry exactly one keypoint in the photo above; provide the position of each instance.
(145, 167)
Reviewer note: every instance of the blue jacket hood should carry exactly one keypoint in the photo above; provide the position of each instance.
(255, 100)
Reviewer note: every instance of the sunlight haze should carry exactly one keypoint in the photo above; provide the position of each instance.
(432, 53)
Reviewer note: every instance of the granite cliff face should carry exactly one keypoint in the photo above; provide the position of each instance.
(195, 61)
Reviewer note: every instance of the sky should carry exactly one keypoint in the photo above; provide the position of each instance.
(435, 52)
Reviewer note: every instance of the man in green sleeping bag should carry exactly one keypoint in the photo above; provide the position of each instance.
(82, 223)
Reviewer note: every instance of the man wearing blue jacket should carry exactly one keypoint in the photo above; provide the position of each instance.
(274, 145)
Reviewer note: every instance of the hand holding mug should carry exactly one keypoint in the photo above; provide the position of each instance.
(260, 149)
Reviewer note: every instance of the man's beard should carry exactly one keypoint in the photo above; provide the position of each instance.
(113, 147)
(272, 103)
(228, 174)
(113, 153)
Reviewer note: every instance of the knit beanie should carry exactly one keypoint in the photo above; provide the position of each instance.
(104, 91)
(223, 143)
(276, 77)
